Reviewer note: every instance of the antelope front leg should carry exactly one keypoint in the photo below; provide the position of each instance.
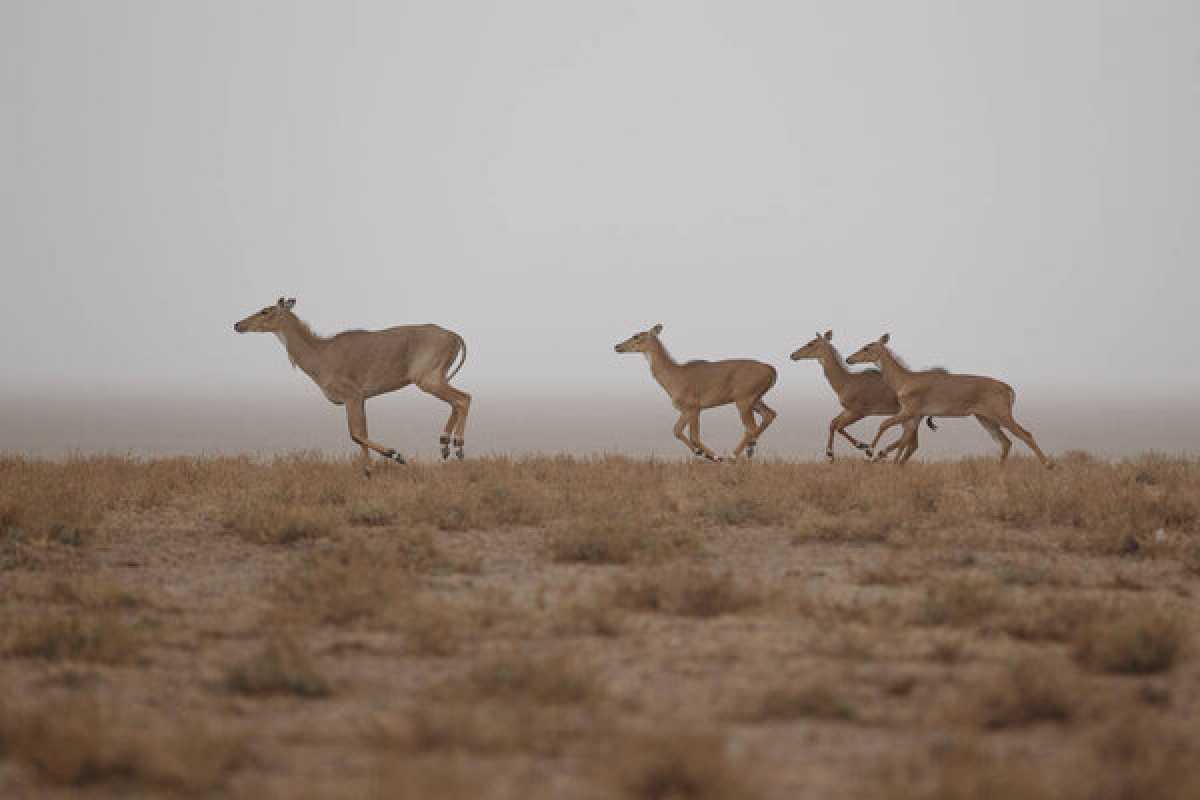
(680, 424)
(356, 418)
(838, 425)
(698, 447)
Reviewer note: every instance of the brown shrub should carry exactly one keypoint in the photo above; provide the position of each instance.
(786, 703)
(603, 543)
(958, 602)
(742, 511)
(373, 515)
(1026, 693)
(1138, 641)
(102, 637)
(685, 591)
(342, 586)
(964, 771)
(1053, 617)
(553, 680)
(262, 522)
(282, 666)
(861, 530)
(79, 743)
(585, 618)
(678, 764)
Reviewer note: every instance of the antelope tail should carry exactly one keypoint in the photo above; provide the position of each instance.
(462, 344)
(929, 422)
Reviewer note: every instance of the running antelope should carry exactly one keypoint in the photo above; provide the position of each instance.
(355, 365)
(945, 394)
(698, 385)
(862, 394)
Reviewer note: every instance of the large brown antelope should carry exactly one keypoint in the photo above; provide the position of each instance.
(355, 365)
(698, 385)
(944, 394)
(862, 394)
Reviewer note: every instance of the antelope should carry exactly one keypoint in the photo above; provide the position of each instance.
(862, 394)
(946, 395)
(355, 365)
(698, 385)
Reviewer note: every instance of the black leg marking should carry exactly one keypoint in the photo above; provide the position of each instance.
(864, 446)
(444, 441)
(394, 456)
(829, 453)
(459, 444)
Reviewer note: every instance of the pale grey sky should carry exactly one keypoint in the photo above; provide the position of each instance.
(1007, 187)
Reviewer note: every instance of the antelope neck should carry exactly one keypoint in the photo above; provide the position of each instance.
(662, 366)
(891, 368)
(835, 371)
(302, 345)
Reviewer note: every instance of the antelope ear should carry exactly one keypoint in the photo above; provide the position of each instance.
(829, 335)
(657, 329)
(887, 337)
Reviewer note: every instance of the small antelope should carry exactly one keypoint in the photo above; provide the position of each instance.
(945, 394)
(355, 365)
(862, 394)
(698, 385)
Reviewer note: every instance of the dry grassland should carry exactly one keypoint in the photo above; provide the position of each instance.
(557, 627)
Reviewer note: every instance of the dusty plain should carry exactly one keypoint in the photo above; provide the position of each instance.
(607, 627)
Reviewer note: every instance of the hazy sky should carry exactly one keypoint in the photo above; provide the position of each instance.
(1007, 187)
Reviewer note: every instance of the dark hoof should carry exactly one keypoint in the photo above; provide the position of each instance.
(445, 452)
(459, 454)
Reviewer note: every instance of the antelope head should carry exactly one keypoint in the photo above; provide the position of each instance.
(639, 342)
(269, 320)
(870, 353)
(814, 349)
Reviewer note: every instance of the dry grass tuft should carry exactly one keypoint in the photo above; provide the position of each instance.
(1138, 642)
(273, 524)
(687, 591)
(679, 765)
(958, 602)
(546, 681)
(1052, 618)
(282, 667)
(785, 703)
(372, 515)
(602, 543)
(1030, 691)
(78, 743)
(101, 637)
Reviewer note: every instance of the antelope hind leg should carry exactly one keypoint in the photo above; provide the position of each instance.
(750, 429)
(838, 425)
